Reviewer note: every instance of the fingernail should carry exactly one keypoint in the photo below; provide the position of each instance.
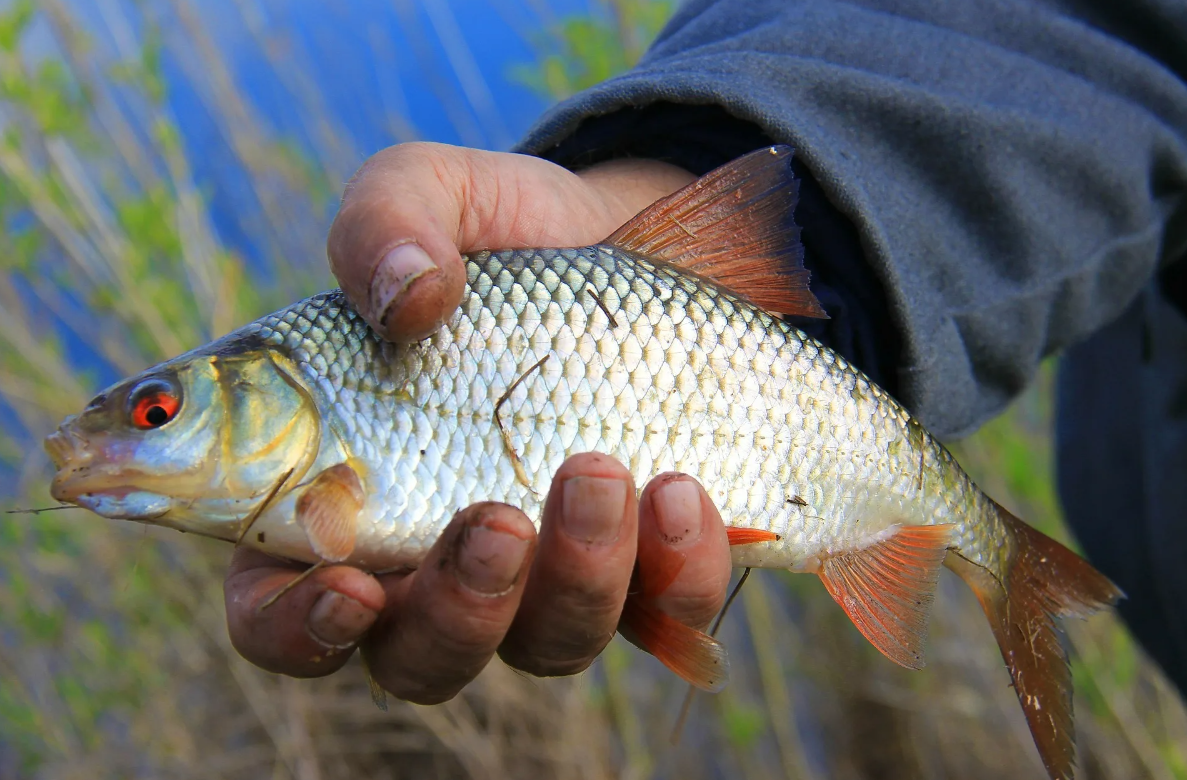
(490, 560)
(677, 507)
(396, 271)
(338, 621)
(592, 508)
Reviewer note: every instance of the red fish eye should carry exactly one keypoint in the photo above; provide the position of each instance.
(154, 410)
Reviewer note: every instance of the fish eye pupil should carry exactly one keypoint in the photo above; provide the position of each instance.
(152, 405)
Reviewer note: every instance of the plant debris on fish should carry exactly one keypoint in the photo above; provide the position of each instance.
(306, 436)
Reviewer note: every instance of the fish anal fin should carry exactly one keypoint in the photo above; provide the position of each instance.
(1044, 580)
(733, 226)
(328, 511)
(887, 588)
(738, 536)
(662, 570)
(696, 657)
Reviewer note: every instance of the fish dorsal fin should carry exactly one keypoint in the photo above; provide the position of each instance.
(733, 226)
(887, 589)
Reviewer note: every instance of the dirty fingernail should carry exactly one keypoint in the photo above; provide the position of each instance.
(490, 561)
(339, 621)
(678, 512)
(592, 508)
(396, 271)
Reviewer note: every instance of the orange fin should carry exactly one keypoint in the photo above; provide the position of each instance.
(1045, 580)
(734, 227)
(887, 589)
(696, 657)
(329, 509)
(750, 536)
(662, 570)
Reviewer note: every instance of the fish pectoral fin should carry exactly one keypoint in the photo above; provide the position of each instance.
(887, 589)
(733, 226)
(738, 536)
(696, 657)
(328, 511)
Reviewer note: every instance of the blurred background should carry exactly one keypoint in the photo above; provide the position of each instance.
(168, 171)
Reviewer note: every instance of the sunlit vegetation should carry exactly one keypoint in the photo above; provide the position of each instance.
(114, 658)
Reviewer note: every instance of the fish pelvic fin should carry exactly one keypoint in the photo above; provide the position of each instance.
(734, 226)
(887, 588)
(696, 657)
(1044, 581)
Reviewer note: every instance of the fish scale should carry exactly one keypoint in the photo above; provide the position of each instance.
(641, 362)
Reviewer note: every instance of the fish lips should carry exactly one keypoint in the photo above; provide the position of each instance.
(79, 482)
(132, 505)
(116, 503)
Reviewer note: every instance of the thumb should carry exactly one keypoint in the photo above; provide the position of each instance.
(412, 209)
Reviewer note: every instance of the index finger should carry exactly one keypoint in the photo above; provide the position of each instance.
(411, 209)
(393, 243)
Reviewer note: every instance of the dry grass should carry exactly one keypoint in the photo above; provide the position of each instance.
(114, 659)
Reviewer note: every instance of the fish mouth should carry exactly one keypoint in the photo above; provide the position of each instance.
(73, 463)
(82, 482)
(102, 495)
(127, 504)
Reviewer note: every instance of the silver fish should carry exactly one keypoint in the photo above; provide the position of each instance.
(305, 435)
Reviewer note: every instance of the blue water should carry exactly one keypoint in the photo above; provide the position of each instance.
(383, 75)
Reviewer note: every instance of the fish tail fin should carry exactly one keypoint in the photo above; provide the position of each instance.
(1043, 581)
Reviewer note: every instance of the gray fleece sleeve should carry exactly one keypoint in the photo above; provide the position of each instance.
(1015, 170)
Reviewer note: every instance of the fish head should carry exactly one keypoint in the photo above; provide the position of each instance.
(192, 444)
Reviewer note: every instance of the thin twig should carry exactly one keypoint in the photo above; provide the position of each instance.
(686, 705)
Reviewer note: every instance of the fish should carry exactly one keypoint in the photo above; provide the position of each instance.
(671, 345)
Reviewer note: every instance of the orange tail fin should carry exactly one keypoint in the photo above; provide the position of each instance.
(1045, 581)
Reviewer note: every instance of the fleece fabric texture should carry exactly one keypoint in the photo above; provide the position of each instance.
(984, 184)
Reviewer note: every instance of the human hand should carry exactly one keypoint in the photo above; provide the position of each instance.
(548, 604)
